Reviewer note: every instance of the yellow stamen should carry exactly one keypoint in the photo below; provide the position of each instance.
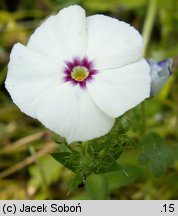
(79, 73)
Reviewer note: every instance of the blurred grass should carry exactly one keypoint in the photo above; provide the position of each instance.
(21, 172)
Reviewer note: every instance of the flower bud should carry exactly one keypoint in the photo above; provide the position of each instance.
(160, 72)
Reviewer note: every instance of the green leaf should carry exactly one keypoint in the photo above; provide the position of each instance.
(107, 165)
(76, 181)
(126, 176)
(63, 146)
(155, 153)
(69, 160)
(97, 187)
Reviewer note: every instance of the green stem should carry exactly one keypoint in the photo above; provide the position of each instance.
(97, 187)
(146, 33)
(148, 24)
(143, 122)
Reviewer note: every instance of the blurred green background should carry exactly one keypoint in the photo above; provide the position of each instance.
(27, 171)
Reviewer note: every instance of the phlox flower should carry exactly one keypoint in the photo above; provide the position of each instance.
(77, 74)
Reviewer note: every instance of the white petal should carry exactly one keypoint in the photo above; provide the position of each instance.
(71, 113)
(112, 43)
(117, 90)
(29, 77)
(62, 35)
(35, 86)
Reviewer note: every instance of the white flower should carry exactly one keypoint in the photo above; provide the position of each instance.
(77, 74)
(160, 73)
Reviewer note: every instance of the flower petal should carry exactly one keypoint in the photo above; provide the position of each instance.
(117, 90)
(71, 113)
(62, 35)
(29, 77)
(112, 43)
(35, 86)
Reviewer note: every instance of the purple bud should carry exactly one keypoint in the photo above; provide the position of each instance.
(160, 72)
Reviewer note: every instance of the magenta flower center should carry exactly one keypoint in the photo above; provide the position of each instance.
(79, 71)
